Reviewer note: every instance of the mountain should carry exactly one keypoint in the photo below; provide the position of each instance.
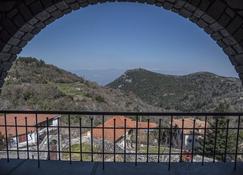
(33, 84)
(201, 91)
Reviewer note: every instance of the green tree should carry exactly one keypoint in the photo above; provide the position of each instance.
(2, 142)
(215, 140)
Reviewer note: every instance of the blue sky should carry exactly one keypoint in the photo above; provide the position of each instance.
(125, 36)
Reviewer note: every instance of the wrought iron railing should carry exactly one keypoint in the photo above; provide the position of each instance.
(122, 136)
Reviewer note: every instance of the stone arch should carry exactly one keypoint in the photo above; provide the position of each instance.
(20, 21)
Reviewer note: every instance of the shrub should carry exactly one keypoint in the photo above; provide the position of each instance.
(100, 99)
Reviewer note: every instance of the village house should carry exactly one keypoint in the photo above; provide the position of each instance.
(119, 135)
(21, 136)
(188, 131)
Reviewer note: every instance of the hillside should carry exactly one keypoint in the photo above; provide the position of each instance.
(196, 92)
(32, 84)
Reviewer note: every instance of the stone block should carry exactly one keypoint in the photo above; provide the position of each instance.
(43, 16)
(208, 19)
(234, 24)
(229, 41)
(238, 48)
(13, 41)
(185, 13)
(216, 9)
(229, 51)
(202, 23)
(216, 26)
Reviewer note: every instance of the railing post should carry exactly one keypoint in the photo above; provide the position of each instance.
(48, 141)
(171, 130)
(147, 160)
(6, 134)
(17, 137)
(237, 142)
(182, 139)
(69, 139)
(125, 142)
(226, 141)
(215, 140)
(103, 142)
(159, 137)
(58, 135)
(204, 138)
(80, 139)
(92, 142)
(193, 138)
(136, 146)
(37, 139)
(27, 138)
(114, 141)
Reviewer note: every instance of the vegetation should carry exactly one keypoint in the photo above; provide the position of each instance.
(2, 142)
(219, 145)
(76, 148)
(33, 84)
(197, 92)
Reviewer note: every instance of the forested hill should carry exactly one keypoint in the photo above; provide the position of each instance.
(202, 91)
(33, 84)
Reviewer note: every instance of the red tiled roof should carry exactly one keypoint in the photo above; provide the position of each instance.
(119, 132)
(188, 123)
(31, 121)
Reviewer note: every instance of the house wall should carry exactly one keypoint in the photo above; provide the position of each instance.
(32, 137)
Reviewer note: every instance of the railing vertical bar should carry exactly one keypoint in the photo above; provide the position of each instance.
(58, 135)
(69, 139)
(204, 138)
(237, 142)
(215, 141)
(182, 139)
(159, 137)
(125, 138)
(147, 160)
(114, 141)
(193, 139)
(226, 140)
(6, 135)
(27, 138)
(103, 142)
(80, 139)
(37, 137)
(136, 144)
(92, 141)
(171, 130)
(17, 137)
(48, 141)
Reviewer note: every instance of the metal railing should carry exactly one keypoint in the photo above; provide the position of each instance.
(127, 137)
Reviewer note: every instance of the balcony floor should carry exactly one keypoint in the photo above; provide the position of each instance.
(28, 167)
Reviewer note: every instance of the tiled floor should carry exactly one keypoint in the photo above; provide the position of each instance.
(29, 167)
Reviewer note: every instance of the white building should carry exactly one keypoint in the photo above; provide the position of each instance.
(188, 131)
(19, 132)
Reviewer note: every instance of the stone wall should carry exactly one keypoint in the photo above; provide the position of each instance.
(21, 20)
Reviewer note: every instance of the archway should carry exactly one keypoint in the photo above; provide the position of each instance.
(21, 21)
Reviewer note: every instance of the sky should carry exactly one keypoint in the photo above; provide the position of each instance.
(124, 36)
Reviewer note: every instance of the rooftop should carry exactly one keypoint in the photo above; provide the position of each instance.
(119, 122)
(188, 124)
(20, 121)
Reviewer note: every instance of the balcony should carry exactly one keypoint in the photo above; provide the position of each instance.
(63, 142)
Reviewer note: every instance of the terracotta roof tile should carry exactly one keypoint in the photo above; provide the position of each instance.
(188, 123)
(119, 132)
(21, 122)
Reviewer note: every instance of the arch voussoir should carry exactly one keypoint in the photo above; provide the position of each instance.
(20, 21)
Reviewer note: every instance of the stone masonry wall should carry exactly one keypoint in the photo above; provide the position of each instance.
(21, 20)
